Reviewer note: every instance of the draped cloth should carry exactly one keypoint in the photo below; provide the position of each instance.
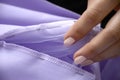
(31, 44)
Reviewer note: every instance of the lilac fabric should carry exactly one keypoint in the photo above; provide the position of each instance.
(37, 53)
(31, 44)
(32, 12)
(21, 63)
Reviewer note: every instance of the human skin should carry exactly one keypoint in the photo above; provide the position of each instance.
(103, 46)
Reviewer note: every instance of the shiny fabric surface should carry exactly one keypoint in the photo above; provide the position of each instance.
(31, 44)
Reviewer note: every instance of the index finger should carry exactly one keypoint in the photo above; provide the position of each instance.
(91, 17)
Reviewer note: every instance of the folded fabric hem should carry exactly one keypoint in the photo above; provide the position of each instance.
(50, 59)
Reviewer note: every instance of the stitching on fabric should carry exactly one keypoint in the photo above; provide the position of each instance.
(53, 60)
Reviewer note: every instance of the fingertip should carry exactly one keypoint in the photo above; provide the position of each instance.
(87, 62)
(69, 41)
(79, 59)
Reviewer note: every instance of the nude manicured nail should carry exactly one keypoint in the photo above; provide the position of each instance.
(79, 60)
(87, 62)
(69, 41)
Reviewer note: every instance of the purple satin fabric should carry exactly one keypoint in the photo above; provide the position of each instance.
(25, 13)
(31, 52)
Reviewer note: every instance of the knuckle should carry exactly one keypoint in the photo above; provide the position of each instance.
(115, 34)
(93, 15)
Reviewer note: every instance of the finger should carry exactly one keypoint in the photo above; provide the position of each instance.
(92, 16)
(112, 52)
(117, 8)
(102, 41)
(90, 2)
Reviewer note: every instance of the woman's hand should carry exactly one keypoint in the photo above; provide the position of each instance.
(103, 46)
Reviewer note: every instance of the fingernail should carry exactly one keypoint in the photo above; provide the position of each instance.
(79, 59)
(87, 62)
(69, 41)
